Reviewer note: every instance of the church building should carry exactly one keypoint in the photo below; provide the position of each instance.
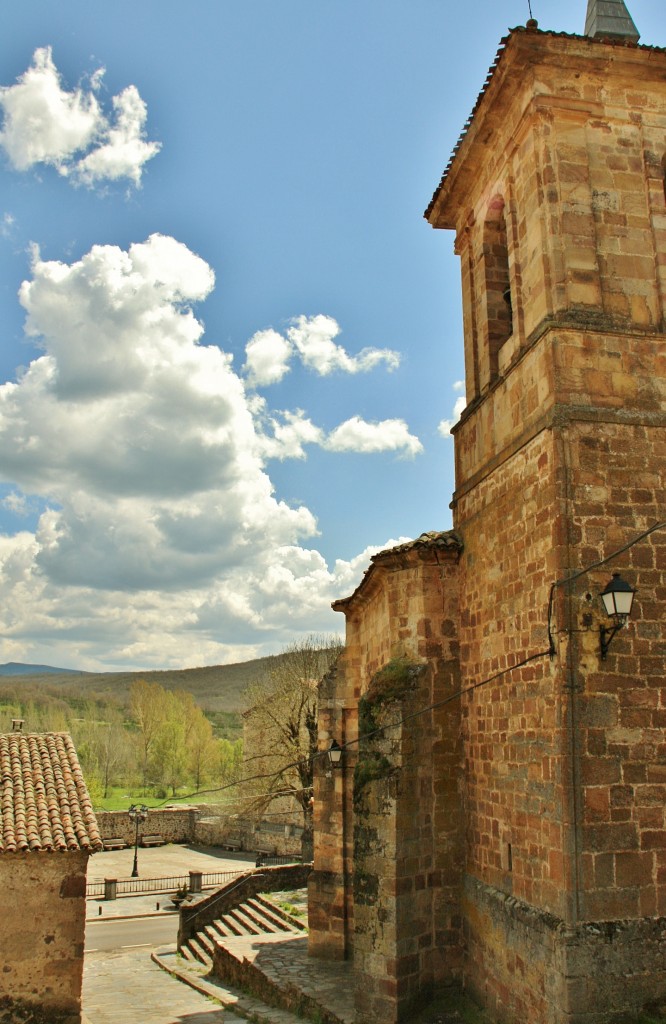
(496, 820)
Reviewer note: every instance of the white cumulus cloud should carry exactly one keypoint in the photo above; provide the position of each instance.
(124, 150)
(43, 123)
(16, 504)
(267, 358)
(444, 427)
(289, 432)
(357, 435)
(160, 539)
(311, 339)
(7, 225)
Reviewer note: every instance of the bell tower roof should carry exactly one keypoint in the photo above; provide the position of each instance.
(610, 19)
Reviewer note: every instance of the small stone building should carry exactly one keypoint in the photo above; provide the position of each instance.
(498, 822)
(47, 833)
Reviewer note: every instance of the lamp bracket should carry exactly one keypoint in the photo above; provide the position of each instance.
(606, 636)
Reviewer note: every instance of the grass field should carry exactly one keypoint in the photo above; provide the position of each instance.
(119, 799)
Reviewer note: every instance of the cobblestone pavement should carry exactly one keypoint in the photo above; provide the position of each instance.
(245, 1005)
(285, 962)
(130, 988)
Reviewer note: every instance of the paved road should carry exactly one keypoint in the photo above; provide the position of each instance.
(128, 987)
(121, 985)
(134, 933)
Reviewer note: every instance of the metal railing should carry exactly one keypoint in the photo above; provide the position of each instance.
(192, 912)
(136, 886)
(276, 859)
(277, 828)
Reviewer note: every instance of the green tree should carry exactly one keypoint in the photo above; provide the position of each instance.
(230, 759)
(169, 753)
(103, 745)
(203, 752)
(147, 702)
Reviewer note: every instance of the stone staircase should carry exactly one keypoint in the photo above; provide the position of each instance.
(255, 916)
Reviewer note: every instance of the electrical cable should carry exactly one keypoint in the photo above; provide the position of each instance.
(549, 652)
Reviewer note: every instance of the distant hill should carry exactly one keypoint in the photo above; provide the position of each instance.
(217, 688)
(16, 668)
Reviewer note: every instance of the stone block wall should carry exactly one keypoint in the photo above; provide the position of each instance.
(219, 829)
(392, 812)
(564, 787)
(542, 971)
(407, 845)
(620, 473)
(42, 937)
(559, 462)
(175, 825)
(514, 729)
(512, 963)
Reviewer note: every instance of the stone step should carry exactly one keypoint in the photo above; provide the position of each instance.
(229, 925)
(264, 912)
(207, 941)
(200, 953)
(188, 955)
(222, 929)
(237, 1002)
(273, 910)
(252, 923)
(256, 916)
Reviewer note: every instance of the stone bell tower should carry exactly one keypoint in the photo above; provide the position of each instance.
(556, 193)
(499, 818)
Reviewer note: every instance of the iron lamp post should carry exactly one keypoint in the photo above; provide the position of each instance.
(137, 814)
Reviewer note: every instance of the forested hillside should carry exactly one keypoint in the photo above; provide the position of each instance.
(215, 687)
(144, 735)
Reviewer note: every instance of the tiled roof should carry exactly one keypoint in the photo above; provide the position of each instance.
(531, 29)
(430, 539)
(433, 540)
(44, 802)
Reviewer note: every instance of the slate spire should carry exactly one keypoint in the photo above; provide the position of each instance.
(610, 19)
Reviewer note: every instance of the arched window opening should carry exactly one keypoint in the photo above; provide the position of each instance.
(498, 286)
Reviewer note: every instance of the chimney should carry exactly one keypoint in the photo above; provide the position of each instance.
(17, 724)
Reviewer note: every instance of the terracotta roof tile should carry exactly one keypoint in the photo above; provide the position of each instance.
(44, 802)
(433, 540)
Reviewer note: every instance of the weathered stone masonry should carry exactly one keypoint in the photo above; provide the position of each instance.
(513, 839)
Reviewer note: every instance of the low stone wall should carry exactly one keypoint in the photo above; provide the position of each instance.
(243, 974)
(219, 829)
(190, 824)
(175, 825)
(523, 964)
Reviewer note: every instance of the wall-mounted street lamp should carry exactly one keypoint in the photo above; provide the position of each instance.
(137, 814)
(618, 598)
(334, 754)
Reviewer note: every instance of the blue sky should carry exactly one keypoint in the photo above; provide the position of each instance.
(229, 338)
